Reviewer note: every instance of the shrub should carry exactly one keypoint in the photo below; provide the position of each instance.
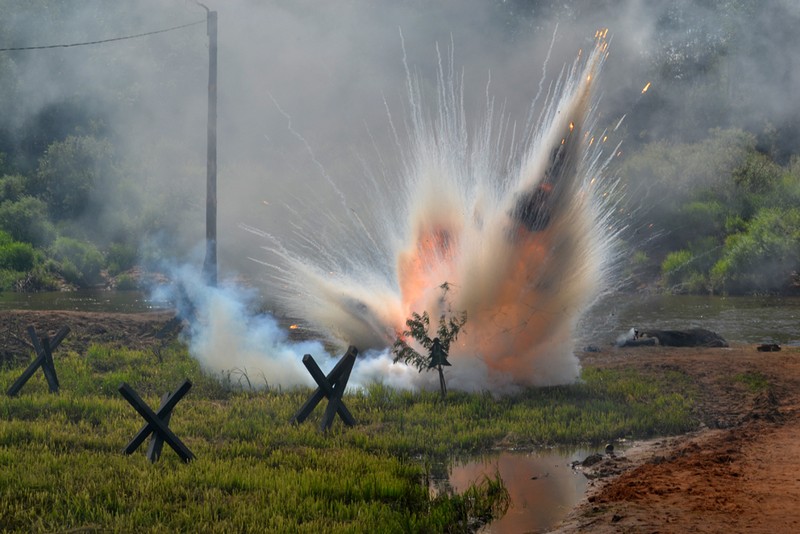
(126, 282)
(17, 256)
(120, 258)
(761, 258)
(675, 268)
(40, 279)
(79, 262)
(8, 279)
(69, 172)
(26, 220)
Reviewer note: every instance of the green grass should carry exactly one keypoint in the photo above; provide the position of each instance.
(62, 467)
(755, 382)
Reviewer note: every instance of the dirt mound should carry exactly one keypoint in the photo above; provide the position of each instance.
(131, 330)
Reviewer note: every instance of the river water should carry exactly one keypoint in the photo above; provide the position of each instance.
(737, 319)
(84, 300)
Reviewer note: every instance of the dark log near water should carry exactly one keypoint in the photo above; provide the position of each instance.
(692, 337)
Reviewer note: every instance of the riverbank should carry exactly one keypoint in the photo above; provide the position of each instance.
(739, 472)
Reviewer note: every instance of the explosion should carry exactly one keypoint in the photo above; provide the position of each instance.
(516, 228)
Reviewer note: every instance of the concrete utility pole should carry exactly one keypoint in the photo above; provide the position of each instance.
(210, 265)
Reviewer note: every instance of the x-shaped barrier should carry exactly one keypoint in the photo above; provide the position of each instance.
(44, 358)
(330, 387)
(157, 423)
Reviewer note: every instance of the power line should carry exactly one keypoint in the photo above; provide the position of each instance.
(104, 40)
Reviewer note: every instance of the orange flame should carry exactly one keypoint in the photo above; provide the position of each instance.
(646, 87)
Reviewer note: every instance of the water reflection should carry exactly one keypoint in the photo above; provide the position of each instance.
(542, 485)
(84, 300)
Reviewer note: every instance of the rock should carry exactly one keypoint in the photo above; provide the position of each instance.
(693, 337)
(591, 460)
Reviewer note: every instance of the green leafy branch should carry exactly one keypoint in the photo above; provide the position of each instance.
(418, 327)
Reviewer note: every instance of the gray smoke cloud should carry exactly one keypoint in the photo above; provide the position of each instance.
(304, 86)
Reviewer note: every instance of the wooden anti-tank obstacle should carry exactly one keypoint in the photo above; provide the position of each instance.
(330, 387)
(157, 423)
(44, 348)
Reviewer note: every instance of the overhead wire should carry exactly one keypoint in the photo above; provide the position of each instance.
(101, 41)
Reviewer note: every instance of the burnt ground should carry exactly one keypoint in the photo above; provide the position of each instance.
(740, 472)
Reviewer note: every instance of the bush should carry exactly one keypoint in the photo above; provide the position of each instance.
(26, 220)
(120, 258)
(675, 268)
(17, 256)
(40, 279)
(79, 262)
(70, 171)
(126, 282)
(8, 279)
(762, 258)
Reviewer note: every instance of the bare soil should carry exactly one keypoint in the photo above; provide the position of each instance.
(740, 472)
(131, 330)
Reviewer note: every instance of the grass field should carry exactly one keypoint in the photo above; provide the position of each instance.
(62, 466)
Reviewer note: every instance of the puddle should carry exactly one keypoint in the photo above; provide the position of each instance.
(542, 486)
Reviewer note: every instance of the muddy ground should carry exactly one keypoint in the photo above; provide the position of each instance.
(739, 473)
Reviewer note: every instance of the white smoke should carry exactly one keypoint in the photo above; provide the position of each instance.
(235, 341)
